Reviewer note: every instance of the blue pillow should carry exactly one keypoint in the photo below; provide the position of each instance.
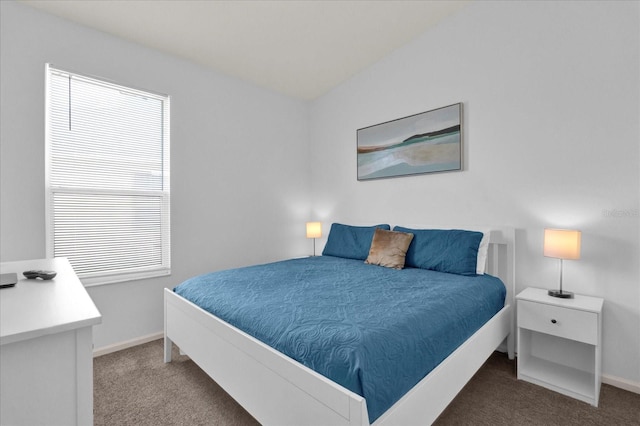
(454, 251)
(351, 242)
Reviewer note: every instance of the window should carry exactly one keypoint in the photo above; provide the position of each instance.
(107, 178)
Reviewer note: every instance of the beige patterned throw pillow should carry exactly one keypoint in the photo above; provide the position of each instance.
(389, 248)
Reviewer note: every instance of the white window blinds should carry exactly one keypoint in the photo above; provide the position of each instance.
(107, 178)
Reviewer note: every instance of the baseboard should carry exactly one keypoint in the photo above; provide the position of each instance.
(621, 383)
(127, 344)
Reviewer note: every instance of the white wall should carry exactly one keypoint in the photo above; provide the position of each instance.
(551, 107)
(551, 95)
(234, 149)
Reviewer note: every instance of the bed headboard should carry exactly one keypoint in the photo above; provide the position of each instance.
(501, 263)
(501, 259)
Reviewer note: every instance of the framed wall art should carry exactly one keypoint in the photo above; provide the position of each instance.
(422, 143)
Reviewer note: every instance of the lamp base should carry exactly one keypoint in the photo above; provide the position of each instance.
(561, 294)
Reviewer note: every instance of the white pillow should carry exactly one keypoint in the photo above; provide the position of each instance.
(483, 252)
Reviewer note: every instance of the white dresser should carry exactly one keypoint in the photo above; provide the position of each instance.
(46, 348)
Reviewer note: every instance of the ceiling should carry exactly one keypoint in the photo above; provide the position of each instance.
(302, 49)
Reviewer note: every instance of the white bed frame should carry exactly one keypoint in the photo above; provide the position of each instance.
(277, 390)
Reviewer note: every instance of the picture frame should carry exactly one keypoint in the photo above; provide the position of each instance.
(427, 142)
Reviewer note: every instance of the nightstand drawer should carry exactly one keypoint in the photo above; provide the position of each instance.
(559, 321)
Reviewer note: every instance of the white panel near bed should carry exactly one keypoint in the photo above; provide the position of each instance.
(277, 390)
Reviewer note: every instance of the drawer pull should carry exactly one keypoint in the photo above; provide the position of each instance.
(553, 321)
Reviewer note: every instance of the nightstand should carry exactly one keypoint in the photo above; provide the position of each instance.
(559, 343)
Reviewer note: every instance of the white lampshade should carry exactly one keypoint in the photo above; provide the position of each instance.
(314, 229)
(562, 243)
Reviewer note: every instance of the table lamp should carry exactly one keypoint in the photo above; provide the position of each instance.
(562, 244)
(314, 230)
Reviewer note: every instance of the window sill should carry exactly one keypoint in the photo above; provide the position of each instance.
(119, 278)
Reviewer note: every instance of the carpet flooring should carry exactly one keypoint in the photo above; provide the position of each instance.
(135, 387)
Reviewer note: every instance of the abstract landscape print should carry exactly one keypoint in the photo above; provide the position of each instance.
(422, 143)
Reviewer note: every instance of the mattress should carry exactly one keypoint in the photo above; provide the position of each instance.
(376, 331)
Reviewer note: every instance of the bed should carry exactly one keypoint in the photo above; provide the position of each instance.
(282, 389)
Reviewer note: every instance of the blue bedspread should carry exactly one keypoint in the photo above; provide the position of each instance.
(374, 330)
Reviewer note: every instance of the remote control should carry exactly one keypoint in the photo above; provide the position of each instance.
(45, 275)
